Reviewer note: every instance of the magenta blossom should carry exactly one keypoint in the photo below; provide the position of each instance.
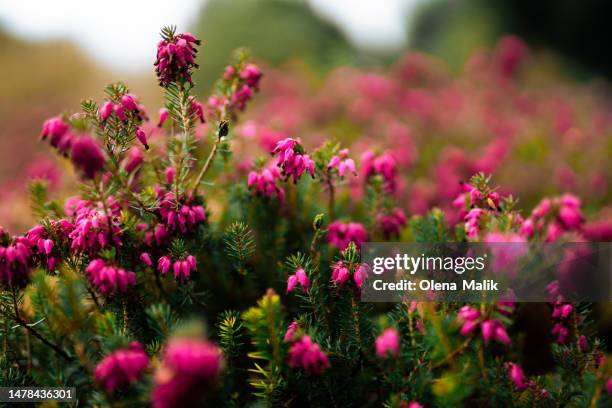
(133, 159)
(15, 264)
(163, 116)
(391, 223)
(183, 219)
(291, 331)
(340, 273)
(122, 367)
(494, 330)
(306, 354)
(87, 156)
(176, 58)
(342, 163)
(340, 234)
(141, 135)
(383, 165)
(388, 344)
(96, 225)
(265, 182)
(298, 277)
(515, 372)
(187, 367)
(109, 279)
(360, 275)
(292, 160)
(251, 75)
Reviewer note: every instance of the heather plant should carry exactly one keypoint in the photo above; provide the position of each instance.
(179, 276)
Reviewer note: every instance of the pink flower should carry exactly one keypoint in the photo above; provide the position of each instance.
(142, 137)
(342, 163)
(303, 279)
(122, 367)
(109, 279)
(182, 268)
(306, 354)
(176, 58)
(494, 330)
(163, 116)
(391, 223)
(15, 262)
(87, 156)
(163, 265)
(106, 110)
(388, 344)
(265, 183)
(517, 376)
(291, 283)
(609, 386)
(383, 165)
(170, 172)
(470, 319)
(129, 102)
(561, 332)
(472, 220)
(186, 368)
(54, 127)
(292, 160)
(146, 259)
(298, 277)
(240, 98)
(58, 133)
(360, 275)
(183, 217)
(291, 331)
(562, 310)
(196, 109)
(511, 51)
(341, 234)
(134, 159)
(340, 273)
(96, 225)
(598, 230)
(583, 344)
(228, 72)
(251, 75)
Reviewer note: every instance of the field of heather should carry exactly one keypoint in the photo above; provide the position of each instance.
(179, 247)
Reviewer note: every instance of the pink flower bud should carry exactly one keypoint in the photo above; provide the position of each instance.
(303, 279)
(146, 259)
(87, 156)
(129, 102)
(142, 137)
(163, 116)
(388, 344)
(291, 282)
(517, 376)
(106, 110)
(120, 112)
(163, 265)
(291, 331)
(169, 173)
(48, 245)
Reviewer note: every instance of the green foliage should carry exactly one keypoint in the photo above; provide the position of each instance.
(239, 245)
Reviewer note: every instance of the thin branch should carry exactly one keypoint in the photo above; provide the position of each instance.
(34, 332)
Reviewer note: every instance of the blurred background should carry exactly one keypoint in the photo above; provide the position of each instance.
(53, 54)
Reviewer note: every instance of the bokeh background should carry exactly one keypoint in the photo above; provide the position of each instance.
(53, 54)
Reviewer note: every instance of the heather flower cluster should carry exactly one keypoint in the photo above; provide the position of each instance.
(176, 57)
(122, 368)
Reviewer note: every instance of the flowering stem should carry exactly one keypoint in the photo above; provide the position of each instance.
(211, 156)
(35, 332)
